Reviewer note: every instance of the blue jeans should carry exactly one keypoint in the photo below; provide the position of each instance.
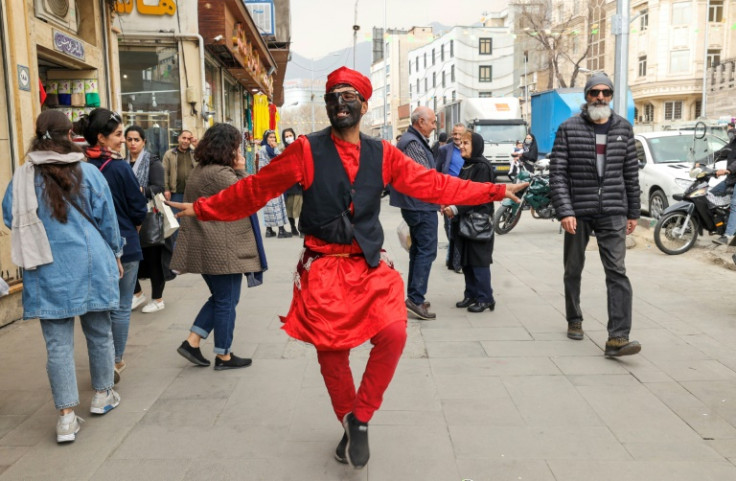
(720, 189)
(423, 231)
(59, 336)
(121, 316)
(218, 312)
(478, 283)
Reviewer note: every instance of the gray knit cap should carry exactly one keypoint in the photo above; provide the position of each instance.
(598, 79)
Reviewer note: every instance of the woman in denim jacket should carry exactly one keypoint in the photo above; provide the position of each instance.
(65, 236)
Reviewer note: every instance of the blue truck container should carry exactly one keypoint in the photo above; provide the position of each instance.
(552, 107)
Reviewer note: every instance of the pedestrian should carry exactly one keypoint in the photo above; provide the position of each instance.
(178, 164)
(515, 161)
(293, 195)
(594, 181)
(450, 161)
(529, 153)
(274, 214)
(421, 217)
(722, 189)
(149, 171)
(60, 211)
(103, 131)
(220, 252)
(346, 291)
(476, 256)
(441, 140)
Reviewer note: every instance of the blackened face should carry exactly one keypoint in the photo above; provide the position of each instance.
(343, 114)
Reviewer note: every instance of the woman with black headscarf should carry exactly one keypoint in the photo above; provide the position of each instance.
(476, 256)
(530, 152)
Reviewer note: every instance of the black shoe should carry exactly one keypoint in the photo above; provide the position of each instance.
(192, 354)
(356, 449)
(270, 232)
(420, 310)
(283, 234)
(458, 270)
(575, 330)
(340, 452)
(294, 230)
(482, 306)
(620, 346)
(234, 362)
(467, 302)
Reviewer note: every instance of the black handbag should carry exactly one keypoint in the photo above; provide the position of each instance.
(475, 226)
(152, 230)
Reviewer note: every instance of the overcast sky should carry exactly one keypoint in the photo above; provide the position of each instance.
(319, 27)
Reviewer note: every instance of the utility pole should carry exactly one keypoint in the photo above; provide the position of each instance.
(356, 27)
(705, 62)
(620, 28)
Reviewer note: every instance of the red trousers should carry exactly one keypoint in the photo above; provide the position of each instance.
(388, 345)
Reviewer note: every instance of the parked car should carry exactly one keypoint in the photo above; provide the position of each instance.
(665, 161)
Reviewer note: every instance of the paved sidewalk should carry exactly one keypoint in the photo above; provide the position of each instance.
(492, 396)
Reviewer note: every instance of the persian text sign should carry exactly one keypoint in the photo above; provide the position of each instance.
(68, 45)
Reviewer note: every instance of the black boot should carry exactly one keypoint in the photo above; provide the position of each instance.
(283, 234)
(270, 232)
(294, 230)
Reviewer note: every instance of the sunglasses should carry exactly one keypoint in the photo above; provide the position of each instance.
(347, 96)
(597, 92)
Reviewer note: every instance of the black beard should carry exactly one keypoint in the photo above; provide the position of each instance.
(352, 109)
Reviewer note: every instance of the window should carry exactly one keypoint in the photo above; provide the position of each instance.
(452, 73)
(640, 154)
(644, 20)
(673, 110)
(442, 53)
(679, 61)
(681, 13)
(443, 79)
(485, 46)
(643, 66)
(444, 100)
(416, 63)
(432, 56)
(417, 85)
(453, 96)
(426, 86)
(485, 73)
(425, 59)
(597, 21)
(698, 108)
(715, 13)
(434, 103)
(714, 58)
(485, 94)
(648, 113)
(452, 48)
(434, 79)
(409, 67)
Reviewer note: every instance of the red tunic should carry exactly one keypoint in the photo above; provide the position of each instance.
(340, 302)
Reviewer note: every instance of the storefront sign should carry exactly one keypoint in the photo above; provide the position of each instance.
(262, 12)
(161, 7)
(68, 45)
(24, 78)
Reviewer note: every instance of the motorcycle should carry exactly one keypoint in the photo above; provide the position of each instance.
(696, 211)
(536, 196)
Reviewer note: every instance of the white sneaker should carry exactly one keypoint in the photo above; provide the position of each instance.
(103, 402)
(154, 306)
(137, 301)
(67, 427)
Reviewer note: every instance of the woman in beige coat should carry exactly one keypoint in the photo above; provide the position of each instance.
(220, 251)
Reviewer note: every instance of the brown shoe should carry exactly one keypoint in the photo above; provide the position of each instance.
(419, 311)
(620, 346)
(575, 330)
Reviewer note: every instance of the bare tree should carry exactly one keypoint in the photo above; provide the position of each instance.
(556, 32)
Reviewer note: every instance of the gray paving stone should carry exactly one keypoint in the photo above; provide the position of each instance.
(143, 469)
(643, 470)
(483, 469)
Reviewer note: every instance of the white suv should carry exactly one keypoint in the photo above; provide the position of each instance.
(665, 160)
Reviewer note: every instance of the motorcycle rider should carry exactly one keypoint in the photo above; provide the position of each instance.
(720, 189)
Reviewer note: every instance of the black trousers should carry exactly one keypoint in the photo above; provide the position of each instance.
(610, 232)
(152, 268)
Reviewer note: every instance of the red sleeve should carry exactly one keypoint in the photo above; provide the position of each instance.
(428, 185)
(248, 195)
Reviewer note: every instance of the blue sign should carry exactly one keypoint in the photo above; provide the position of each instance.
(24, 78)
(262, 13)
(68, 45)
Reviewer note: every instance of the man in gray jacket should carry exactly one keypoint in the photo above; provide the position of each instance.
(594, 177)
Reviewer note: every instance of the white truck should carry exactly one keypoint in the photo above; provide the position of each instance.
(497, 119)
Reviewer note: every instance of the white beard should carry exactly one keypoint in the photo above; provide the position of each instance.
(599, 112)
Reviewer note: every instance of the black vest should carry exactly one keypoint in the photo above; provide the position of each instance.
(326, 210)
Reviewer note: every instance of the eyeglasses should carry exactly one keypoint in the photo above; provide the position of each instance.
(597, 92)
(347, 96)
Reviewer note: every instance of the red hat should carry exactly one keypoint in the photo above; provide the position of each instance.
(355, 79)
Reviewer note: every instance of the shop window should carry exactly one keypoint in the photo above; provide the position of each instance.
(150, 90)
(232, 113)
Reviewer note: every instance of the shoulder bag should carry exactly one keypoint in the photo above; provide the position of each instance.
(152, 229)
(475, 226)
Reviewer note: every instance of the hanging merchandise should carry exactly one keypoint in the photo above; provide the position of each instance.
(52, 94)
(41, 92)
(91, 93)
(65, 93)
(78, 93)
(261, 117)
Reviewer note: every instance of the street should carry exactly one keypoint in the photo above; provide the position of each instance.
(500, 395)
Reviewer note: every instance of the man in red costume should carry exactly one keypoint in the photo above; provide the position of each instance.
(346, 290)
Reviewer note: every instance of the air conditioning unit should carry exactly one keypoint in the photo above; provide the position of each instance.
(61, 13)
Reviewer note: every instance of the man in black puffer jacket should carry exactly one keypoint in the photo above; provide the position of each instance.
(594, 177)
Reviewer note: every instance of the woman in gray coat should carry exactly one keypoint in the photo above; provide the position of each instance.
(220, 251)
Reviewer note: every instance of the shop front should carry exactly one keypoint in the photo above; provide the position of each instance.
(57, 59)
